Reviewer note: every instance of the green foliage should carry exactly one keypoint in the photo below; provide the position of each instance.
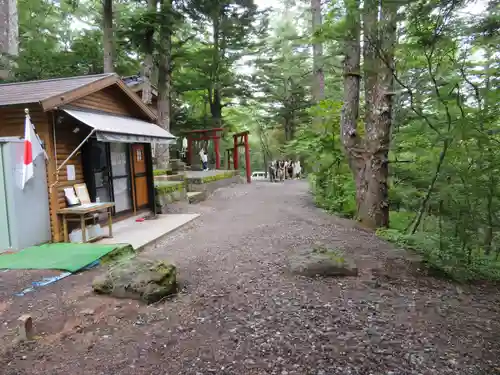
(444, 190)
(49, 47)
(331, 180)
(443, 255)
(281, 78)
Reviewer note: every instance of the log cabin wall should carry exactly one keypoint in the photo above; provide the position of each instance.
(112, 100)
(66, 142)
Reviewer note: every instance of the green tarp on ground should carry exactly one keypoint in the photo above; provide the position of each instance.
(58, 256)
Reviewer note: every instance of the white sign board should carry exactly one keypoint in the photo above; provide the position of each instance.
(70, 172)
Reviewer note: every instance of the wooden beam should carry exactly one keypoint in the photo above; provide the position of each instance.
(241, 133)
(207, 138)
(132, 175)
(61, 99)
(203, 131)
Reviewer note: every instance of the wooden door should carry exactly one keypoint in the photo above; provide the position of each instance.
(140, 176)
(98, 171)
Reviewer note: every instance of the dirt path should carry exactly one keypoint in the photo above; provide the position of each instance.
(242, 313)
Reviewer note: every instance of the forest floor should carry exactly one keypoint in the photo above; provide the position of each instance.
(241, 312)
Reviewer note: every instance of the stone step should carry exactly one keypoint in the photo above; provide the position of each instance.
(195, 196)
(171, 177)
(177, 165)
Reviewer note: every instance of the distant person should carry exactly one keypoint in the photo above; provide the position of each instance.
(297, 170)
(204, 159)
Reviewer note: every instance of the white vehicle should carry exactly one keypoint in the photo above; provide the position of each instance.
(258, 175)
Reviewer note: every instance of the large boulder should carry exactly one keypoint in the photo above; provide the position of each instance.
(138, 278)
(320, 261)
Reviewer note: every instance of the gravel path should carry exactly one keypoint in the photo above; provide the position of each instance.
(242, 313)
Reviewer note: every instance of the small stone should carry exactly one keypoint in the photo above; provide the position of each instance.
(87, 312)
(24, 357)
(323, 262)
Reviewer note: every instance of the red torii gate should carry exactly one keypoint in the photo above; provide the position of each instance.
(241, 139)
(204, 135)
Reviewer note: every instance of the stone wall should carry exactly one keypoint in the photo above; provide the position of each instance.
(170, 192)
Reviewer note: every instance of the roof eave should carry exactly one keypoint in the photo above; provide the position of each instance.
(80, 92)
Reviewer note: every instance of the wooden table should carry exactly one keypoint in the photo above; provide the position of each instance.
(85, 212)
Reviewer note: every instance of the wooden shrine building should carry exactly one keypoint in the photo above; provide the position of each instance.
(96, 131)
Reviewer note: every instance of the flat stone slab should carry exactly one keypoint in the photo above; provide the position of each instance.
(141, 234)
(201, 174)
(318, 260)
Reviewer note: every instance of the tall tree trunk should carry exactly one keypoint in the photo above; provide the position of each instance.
(9, 25)
(488, 159)
(216, 107)
(108, 37)
(147, 95)
(318, 74)
(368, 158)
(215, 94)
(164, 79)
(352, 77)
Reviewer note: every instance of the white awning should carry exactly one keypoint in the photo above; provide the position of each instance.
(109, 128)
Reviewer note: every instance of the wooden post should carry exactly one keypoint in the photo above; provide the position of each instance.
(217, 152)
(26, 332)
(235, 152)
(247, 159)
(47, 134)
(132, 175)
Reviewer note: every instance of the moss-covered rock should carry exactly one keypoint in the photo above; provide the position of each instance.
(138, 278)
(221, 175)
(218, 177)
(169, 187)
(122, 252)
(162, 172)
(320, 261)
